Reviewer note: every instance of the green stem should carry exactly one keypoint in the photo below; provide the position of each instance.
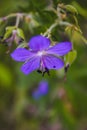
(17, 20)
(57, 22)
(50, 29)
(12, 15)
(65, 23)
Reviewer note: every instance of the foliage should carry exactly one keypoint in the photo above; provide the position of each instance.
(65, 106)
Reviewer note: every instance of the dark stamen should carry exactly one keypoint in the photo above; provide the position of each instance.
(26, 47)
(39, 71)
(66, 68)
(21, 40)
(46, 71)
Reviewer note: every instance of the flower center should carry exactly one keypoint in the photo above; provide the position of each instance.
(40, 53)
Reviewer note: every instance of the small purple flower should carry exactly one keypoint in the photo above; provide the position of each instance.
(43, 87)
(41, 90)
(41, 56)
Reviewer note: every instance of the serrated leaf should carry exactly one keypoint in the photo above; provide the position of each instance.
(10, 28)
(75, 34)
(71, 9)
(9, 31)
(20, 33)
(70, 57)
(82, 11)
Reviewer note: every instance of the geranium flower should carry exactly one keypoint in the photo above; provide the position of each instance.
(42, 90)
(41, 56)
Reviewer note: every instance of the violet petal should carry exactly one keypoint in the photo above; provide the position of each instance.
(39, 42)
(60, 49)
(21, 54)
(52, 62)
(31, 65)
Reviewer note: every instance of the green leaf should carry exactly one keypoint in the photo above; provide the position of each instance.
(20, 33)
(70, 57)
(9, 31)
(82, 11)
(71, 9)
(10, 28)
(75, 34)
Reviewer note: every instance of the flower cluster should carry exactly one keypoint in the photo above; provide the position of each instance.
(41, 56)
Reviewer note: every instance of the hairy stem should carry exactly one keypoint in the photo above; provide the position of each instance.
(57, 22)
(17, 20)
(50, 29)
(13, 15)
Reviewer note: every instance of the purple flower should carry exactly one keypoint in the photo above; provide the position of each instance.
(41, 90)
(41, 56)
(43, 87)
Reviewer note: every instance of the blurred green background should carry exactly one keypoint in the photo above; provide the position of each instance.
(65, 106)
